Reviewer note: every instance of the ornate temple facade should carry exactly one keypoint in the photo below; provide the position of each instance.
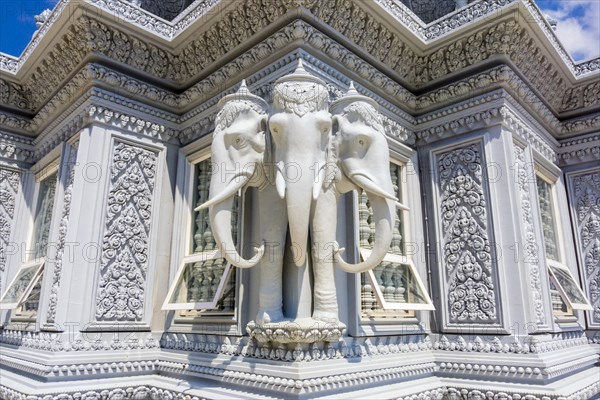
(392, 199)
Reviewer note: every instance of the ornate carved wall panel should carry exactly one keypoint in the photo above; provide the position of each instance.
(469, 276)
(530, 247)
(10, 183)
(585, 201)
(124, 258)
(62, 234)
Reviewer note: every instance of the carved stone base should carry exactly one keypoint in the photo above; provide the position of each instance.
(301, 332)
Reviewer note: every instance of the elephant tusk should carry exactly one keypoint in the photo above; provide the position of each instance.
(229, 191)
(368, 185)
(402, 206)
(318, 185)
(258, 254)
(383, 216)
(280, 184)
(337, 249)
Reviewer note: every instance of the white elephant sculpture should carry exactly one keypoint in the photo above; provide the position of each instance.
(301, 167)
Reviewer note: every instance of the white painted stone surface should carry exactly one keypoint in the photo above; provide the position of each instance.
(472, 110)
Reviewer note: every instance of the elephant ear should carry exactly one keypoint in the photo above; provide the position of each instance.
(269, 157)
(331, 170)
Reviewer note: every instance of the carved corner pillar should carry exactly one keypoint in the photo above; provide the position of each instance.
(529, 246)
(108, 227)
(60, 250)
(10, 188)
(584, 199)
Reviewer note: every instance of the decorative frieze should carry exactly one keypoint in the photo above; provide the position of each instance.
(125, 245)
(124, 393)
(461, 392)
(582, 149)
(90, 35)
(15, 148)
(443, 123)
(531, 247)
(501, 109)
(14, 94)
(585, 200)
(347, 347)
(529, 344)
(203, 89)
(427, 32)
(55, 342)
(469, 279)
(137, 118)
(443, 392)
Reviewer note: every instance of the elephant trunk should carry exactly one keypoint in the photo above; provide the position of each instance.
(220, 222)
(384, 211)
(220, 206)
(298, 199)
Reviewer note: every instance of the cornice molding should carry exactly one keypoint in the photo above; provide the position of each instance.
(193, 355)
(88, 35)
(109, 109)
(580, 150)
(15, 148)
(504, 77)
(529, 344)
(72, 100)
(94, 74)
(482, 111)
(166, 30)
(448, 391)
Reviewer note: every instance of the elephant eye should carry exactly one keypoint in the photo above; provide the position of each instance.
(239, 141)
(363, 140)
(325, 126)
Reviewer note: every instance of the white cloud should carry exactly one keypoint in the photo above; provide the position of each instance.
(578, 25)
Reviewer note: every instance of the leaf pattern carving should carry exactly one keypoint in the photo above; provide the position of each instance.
(471, 290)
(587, 205)
(10, 182)
(124, 260)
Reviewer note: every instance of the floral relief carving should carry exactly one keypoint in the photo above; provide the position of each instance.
(10, 182)
(531, 248)
(62, 235)
(586, 200)
(591, 94)
(124, 260)
(14, 94)
(470, 278)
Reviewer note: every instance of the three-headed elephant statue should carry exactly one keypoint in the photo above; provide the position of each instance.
(300, 154)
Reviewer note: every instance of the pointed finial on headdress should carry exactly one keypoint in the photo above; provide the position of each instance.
(300, 74)
(352, 90)
(244, 94)
(351, 96)
(300, 68)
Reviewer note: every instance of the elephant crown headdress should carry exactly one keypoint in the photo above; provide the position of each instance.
(233, 104)
(300, 92)
(353, 104)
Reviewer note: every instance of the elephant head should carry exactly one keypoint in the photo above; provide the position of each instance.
(237, 153)
(363, 155)
(300, 127)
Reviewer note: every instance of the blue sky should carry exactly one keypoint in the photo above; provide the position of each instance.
(17, 24)
(578, 24)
